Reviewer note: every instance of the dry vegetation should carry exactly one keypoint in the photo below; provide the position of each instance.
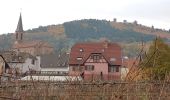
(134, 87)
(78, 90)
(141, 29)
(56, 30)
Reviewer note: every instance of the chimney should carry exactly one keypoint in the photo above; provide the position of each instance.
(106, 44)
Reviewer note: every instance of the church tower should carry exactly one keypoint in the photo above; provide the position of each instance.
(19, 31)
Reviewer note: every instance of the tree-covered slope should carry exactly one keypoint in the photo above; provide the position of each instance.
(63, 36)
(96, 29)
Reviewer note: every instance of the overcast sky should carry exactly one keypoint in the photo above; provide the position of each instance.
(37, 13)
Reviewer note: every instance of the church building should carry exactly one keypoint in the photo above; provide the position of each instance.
(34, 48)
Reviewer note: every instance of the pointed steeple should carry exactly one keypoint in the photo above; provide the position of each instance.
(19, 31)
(19, 26)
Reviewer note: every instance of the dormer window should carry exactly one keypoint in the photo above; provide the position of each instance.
(81, 50)
(112, 59)
(79, 58)
(96, 57)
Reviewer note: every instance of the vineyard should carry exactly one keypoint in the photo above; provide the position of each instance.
(81, 90)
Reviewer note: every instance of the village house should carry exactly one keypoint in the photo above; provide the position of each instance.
(129, 68)
(4, 67)
(55, 63)
(20, 62)
(43, 66)
(54, 67)
(34, 48)
(96, 61)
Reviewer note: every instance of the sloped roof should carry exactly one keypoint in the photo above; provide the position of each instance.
(54, 60)
(84, 50)
(4, 61)
(131, 63)
(12, 56)
(26, 44)
(19, 26)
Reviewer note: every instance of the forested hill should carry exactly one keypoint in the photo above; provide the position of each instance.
(95, 29)
(63, 36)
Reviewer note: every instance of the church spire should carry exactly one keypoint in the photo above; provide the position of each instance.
(19, 31)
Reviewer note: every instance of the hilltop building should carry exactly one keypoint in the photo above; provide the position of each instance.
(115, 20)
(135, 22)
(37, 47)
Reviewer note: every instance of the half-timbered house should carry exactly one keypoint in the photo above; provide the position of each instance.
(96, 60)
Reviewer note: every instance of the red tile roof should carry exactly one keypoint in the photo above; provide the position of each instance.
(131, 63)
(108, 50)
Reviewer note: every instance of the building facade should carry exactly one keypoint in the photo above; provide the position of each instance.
(4, 67)
(20, 62)
(55, 63)
(35, 48)
(96, 61)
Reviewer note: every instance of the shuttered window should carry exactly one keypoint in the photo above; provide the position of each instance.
(89, 67)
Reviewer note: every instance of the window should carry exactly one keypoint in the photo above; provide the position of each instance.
(72, 68)
(76, 68)
(113, 68)
(33, 61)
(79, 58)
(112, 59)
(117, 68)
(89, 67)
(81, 50)
(96, 57)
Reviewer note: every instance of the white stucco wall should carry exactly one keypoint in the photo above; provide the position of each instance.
(52, 78)
(27, 65)
(124, 72)
(55, 69)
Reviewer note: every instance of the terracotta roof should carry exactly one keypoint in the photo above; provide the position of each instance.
(84, 50)
(131, 63)
(27, 44)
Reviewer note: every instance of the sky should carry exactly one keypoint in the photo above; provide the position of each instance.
(37, 13)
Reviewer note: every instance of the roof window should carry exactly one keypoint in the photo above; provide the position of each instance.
(113, 59)
(81, 50)
(79, 58)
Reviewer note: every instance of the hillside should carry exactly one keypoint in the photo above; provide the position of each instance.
(63, 36)
(141, 28)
